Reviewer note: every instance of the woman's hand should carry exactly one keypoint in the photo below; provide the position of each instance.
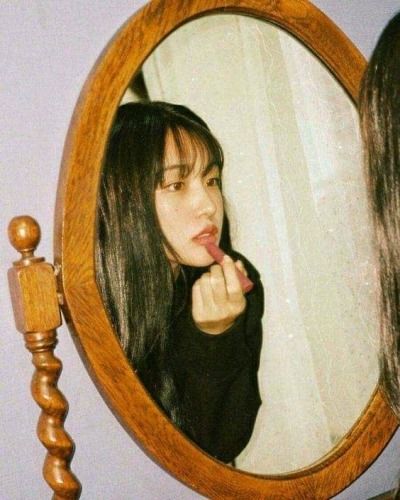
(217, 297)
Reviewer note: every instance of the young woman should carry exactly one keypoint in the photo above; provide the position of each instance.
(380, 126)
(191, 334)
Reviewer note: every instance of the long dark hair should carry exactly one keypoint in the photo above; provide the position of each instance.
(380, 127)
(132, 269)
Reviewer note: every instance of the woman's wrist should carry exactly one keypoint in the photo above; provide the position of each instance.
(215, 329)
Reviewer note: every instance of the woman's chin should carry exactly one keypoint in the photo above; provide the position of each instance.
(202, 259)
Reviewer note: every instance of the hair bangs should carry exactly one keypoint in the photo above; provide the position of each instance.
(195, 146)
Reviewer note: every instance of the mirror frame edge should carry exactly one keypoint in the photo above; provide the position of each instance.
(74, 250)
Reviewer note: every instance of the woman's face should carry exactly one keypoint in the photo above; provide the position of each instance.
(190, 208)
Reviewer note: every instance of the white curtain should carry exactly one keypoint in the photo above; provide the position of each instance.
(297, 204)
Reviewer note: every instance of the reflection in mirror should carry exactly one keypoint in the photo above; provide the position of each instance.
(297, 205)
(188, 329)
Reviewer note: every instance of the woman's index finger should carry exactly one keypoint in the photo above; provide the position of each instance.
(239, 264)
(231, 278)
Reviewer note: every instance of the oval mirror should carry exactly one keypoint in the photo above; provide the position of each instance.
(297, 205)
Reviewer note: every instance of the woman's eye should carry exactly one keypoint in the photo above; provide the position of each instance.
(214, 181)
(175, 186)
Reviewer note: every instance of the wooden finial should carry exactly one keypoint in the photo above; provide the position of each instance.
(24, 235)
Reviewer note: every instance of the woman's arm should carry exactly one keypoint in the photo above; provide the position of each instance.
(216, 376)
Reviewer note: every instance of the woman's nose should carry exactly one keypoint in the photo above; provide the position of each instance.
(205, 204)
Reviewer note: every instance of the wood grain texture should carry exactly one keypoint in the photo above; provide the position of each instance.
(37, 315)
(74, 251)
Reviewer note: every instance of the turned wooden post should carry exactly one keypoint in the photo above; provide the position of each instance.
(37, 315)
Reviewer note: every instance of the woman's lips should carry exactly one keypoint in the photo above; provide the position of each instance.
(206, 236)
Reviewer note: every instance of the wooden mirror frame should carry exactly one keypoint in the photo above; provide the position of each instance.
(74, 253)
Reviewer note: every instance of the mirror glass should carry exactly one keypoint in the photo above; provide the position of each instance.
(296, 201)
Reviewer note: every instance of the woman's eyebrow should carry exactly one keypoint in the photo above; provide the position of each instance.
(210, 166)
(185, 167)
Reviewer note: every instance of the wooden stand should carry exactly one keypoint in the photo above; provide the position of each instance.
(37, 315)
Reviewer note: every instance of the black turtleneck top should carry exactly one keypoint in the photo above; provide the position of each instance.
(216, 375)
